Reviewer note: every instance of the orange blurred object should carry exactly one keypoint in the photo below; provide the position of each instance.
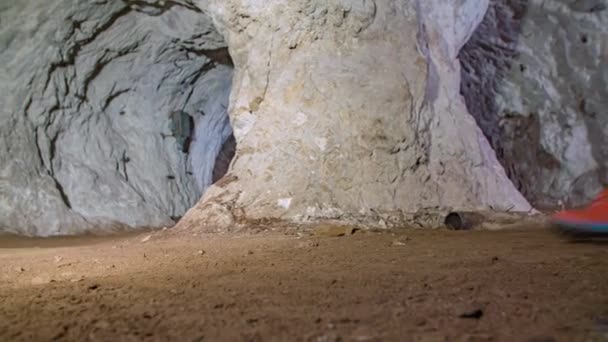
(592, 219)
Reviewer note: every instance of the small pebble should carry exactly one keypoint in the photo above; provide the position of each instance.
(474, 314)
(41, 280)
(420, 321)
(307, 244)
(102, 325)
(542, 339)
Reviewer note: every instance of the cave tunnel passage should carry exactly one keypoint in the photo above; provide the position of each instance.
(139, 129)
(203, 132)
(200, 128)
(191, 95)
(183, 128)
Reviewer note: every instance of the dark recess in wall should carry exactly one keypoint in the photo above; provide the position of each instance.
(486, 59)
(222, 163)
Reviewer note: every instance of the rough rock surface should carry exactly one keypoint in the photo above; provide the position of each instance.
(535, 76)
(94, 95)
(114, 112)
(351, 110)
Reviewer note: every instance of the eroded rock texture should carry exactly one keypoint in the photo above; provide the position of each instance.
(113, 113)
(535, 76)
(351, 110)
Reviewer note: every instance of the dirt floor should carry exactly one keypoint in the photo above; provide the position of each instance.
(410, 285)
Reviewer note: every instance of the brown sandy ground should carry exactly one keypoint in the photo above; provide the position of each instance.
(408, 285)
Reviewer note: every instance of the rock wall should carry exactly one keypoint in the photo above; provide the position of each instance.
(115, 112)
(112, 115)
(535, 77)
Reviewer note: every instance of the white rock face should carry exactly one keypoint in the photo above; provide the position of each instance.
(88, 92)
(335, 108)
(535, 77)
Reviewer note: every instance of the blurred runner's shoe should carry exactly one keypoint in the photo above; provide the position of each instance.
(592, 220)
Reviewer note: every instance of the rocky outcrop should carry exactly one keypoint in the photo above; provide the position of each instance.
(534, 77)
(113, 113)
(351, 111)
